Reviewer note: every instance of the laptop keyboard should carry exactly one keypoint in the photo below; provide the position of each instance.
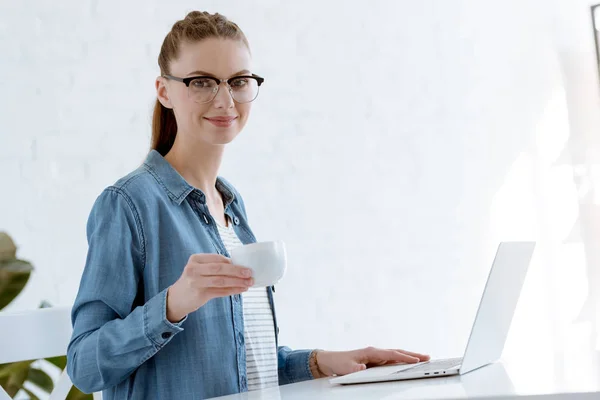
(435, 365)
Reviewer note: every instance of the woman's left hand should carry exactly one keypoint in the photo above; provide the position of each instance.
(346, 362)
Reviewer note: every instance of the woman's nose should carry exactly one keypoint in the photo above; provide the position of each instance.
(223, 99)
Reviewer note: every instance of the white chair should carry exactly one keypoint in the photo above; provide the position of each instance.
(37, 334)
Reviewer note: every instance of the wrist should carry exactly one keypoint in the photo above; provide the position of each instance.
(174, 311)
(316, 366)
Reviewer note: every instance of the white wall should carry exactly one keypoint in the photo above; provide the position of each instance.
(392, 145)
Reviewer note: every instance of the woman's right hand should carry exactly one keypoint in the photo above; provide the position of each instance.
(205, 277)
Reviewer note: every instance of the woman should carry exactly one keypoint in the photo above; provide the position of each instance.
(161, 310)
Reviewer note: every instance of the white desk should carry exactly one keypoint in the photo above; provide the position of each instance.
(498, 381)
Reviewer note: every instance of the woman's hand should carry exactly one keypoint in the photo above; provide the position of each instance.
(205, 277)
(346, 362)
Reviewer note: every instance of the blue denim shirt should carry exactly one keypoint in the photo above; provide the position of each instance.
(141, 233)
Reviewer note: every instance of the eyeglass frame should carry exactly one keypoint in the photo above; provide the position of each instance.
(188, 80)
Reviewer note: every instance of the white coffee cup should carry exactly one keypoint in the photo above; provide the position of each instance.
(267, 260)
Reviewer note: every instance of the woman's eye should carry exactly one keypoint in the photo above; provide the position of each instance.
(239, 83)
(202, 83)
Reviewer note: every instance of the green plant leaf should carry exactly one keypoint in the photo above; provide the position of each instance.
(16, 265)
(8, 250)
(76, 394)
(4, 381)
(11, 284)
(16, 380)
(31, 395)
(6, 370)
(4, 373)
(40, 379)
(60, 361)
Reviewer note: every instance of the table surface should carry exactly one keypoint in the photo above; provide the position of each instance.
(500, 380)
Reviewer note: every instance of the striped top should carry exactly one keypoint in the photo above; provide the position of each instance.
(259, 329)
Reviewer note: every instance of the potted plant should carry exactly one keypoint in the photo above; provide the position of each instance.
(14, 275)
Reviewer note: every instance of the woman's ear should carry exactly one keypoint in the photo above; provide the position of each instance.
(161, 92)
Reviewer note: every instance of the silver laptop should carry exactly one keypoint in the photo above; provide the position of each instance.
(489, 330)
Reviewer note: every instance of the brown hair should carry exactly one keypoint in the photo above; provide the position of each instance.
(196, 26)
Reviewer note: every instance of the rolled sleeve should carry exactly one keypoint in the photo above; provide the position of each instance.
(293, 365)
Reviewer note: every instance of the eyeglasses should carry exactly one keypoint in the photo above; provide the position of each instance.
(204, 89)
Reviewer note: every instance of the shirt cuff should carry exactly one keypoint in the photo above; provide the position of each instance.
(156, 325)
(298, 364)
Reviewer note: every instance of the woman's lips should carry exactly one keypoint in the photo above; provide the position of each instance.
(222, 122)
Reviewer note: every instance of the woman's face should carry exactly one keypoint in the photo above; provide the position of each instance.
(219, 121)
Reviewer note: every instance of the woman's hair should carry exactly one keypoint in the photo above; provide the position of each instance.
(196, 26)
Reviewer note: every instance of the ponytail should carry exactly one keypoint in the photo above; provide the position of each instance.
(164, 129)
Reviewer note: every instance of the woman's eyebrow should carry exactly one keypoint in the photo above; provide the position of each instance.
(199, 72)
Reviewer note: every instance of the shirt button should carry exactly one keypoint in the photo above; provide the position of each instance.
(166, 335)
(236, 220)
(243, 381)
(240, 338)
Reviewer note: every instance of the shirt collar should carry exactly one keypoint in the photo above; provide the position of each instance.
(175, 186)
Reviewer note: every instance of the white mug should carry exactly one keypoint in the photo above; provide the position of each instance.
(267, 260)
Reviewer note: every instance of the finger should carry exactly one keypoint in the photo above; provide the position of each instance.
(422, 357)
(215, 269)
(391, 355)
(382, 363)
(359, 367)
(394, 362)
(403, 357)
(224, 292)
(225, 282)
(209, 258)
(389, 362)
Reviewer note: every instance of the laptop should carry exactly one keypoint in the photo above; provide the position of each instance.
(489, 331)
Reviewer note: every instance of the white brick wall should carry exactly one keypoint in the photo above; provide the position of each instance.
(382, 135)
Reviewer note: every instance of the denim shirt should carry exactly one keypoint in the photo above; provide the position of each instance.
(141, 232)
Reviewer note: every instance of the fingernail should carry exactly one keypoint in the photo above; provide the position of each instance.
(247, 272)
